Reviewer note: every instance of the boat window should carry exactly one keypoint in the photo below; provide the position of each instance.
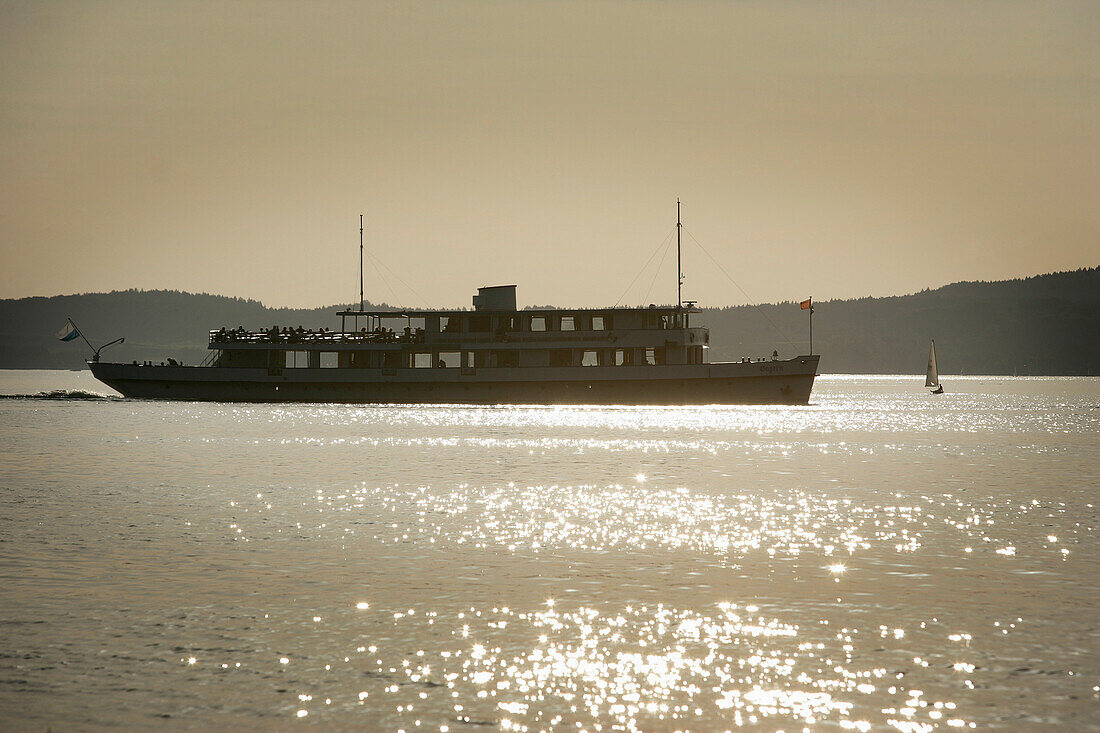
(503, 326)
(623, 357)
(297, 359)
(568, 323)
(449, 359)
(538, 323)
(421, 361)
(650, 357)
(561, 357)
(590, 358)
(329, 360)
(446, 325)
(597, 323)
(534, 357)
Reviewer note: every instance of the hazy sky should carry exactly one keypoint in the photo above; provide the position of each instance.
(831, 149)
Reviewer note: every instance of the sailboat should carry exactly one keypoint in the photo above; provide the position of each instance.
(933, 379)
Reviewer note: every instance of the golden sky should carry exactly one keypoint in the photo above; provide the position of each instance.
(833, 149)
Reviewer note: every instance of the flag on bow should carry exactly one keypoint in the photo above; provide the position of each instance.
(68, 333)
(806, 304)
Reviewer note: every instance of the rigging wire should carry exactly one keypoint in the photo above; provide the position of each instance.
(718, 264)
(628, 287)
(656, 272)
(382, 277)
(410, 287)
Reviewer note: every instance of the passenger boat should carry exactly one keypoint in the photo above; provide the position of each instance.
(493, 354)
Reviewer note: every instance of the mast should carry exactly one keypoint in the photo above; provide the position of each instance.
(360, 262)
(679, 270)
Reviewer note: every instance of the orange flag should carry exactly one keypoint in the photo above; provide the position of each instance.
(806, 304)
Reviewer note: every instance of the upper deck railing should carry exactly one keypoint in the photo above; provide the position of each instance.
(288, 336)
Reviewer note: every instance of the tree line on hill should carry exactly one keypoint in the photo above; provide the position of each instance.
(1042, 325)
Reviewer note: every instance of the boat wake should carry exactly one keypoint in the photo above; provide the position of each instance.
(61, 394)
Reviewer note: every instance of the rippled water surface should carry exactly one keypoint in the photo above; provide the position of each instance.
(879, 560)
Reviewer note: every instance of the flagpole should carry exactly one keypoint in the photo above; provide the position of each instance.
(81, 335)
(811, 325)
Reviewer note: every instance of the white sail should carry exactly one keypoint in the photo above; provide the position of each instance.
(933, 378)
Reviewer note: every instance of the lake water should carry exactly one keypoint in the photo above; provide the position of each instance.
(881, 559)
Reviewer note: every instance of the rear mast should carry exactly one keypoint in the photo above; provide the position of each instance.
(360, 263)
(679, 269)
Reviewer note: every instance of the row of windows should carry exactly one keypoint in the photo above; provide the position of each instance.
(568, 323)
(501, 324)
(473, 359)
(484, 324)
(581, 322)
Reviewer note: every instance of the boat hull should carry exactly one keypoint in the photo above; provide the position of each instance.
(768, 382)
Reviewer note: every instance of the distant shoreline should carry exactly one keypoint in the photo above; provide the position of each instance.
(1047, 325)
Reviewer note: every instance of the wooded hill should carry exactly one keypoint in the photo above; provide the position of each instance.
(1048, 324)
(1042, 325)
